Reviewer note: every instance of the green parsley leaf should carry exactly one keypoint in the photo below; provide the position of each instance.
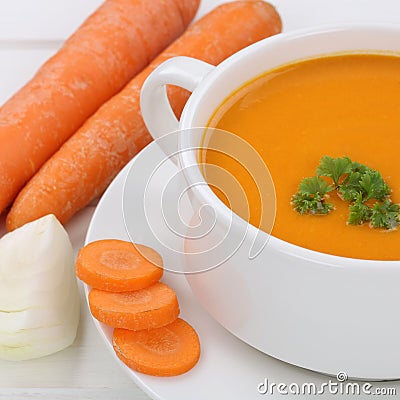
(374, 186)
(385, 215)
(334, 167)
(357, 167)
(314, 185)
(310, 199)
(359, 212)
(311, 204)
(351, 188)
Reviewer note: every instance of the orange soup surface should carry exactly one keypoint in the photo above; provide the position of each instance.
(341, 105)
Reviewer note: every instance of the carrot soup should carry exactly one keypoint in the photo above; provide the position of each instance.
(337, 106)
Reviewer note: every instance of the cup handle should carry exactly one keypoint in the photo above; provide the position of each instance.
(156, 110)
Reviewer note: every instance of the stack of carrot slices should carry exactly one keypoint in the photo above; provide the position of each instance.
(127, 295)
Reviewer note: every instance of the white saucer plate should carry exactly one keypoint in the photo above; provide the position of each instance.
(228, 368)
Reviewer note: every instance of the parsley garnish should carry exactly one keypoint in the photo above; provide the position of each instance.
(385, 215)
(359, 212)
(334, 168)
(351, 188)
(373, 186)
(311, 196)
(363, 187)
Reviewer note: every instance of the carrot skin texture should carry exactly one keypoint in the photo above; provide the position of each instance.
(148, 308)
(168, 351)
(115, 43)
(86, 164)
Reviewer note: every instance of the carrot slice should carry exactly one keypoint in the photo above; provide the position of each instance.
(171, 350)
(86, 164)
(109, 49)
(148, 308)
(118, 266)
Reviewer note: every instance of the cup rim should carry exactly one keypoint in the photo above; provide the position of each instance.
(207, 196)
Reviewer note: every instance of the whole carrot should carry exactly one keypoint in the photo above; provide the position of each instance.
(91, 158)
(112, 46)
